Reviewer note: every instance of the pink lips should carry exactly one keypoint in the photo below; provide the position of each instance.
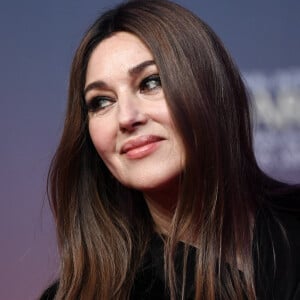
(141, 146)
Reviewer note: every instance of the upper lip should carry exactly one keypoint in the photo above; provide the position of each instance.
(139, 142)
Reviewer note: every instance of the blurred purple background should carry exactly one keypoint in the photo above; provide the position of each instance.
(38, 39)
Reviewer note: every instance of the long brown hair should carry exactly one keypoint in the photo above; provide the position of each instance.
(103, 227)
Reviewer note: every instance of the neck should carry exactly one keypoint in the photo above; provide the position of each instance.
(161, 205)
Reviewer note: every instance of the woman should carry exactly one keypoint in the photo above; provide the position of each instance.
(154, 187)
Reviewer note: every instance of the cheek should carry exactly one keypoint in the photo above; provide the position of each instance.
(174, 136)
(102, 136)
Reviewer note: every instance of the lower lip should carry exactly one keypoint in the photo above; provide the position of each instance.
(143, 151)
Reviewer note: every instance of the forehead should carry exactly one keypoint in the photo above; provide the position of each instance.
(121, 50)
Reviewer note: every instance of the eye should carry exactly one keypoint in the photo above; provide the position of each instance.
(150, 83)
(99, 103)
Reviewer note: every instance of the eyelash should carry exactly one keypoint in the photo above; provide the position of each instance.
(99, 103)
(150, 79)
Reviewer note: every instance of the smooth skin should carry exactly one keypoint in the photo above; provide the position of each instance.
(130, 124)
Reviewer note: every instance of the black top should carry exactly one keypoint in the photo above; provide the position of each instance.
(276, 234)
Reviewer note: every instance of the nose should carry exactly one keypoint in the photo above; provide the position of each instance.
(131, 114)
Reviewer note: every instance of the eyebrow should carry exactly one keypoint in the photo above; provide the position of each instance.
(140, 67)
(95, 85)
(132, 72)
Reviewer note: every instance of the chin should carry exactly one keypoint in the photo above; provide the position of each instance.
(154, 185)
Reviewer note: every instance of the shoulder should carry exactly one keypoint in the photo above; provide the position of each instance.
(277, 245)
(50, 292)
(280, 214)
(279, 220)
(285, 198)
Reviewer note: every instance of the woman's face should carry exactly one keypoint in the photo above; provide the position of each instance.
(129, 121)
